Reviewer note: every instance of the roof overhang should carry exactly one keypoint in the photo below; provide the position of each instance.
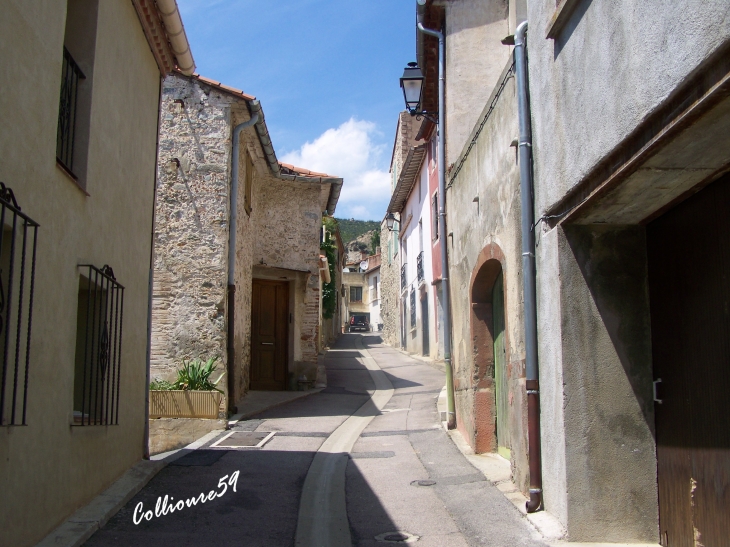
(407, 179)
(165, 34)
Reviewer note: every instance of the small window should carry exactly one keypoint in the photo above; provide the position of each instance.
(413, 307)
(17, 279)
(355, 294)
(98, 347)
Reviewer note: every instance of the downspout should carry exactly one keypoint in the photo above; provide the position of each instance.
(451, 417)
(232, 227)
(528, 269)
(150, 285)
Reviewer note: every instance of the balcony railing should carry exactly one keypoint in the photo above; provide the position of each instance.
(419, 266)
(403, 280)
(18, 237)
(67, 111)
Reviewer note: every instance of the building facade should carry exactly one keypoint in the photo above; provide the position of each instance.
(77, 210)
(197, 312)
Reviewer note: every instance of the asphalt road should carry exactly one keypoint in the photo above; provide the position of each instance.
(402, 443)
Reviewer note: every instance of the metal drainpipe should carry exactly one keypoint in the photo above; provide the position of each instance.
(528, 269)
(451, 418)
(232, 255)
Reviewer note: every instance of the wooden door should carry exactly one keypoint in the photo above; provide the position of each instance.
(500, 369)
(689, 287)
(269, 334)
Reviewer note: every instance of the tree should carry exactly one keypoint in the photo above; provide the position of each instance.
(375, 241)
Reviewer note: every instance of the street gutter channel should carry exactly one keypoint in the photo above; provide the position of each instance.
(322, 517)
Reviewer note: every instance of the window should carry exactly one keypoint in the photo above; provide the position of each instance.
(98, 347)
(413, 308)
(249, 184)
(355, 294)
(74, 112)
(17, 280)
(435, 217)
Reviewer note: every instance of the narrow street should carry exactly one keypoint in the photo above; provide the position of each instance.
(368, 497)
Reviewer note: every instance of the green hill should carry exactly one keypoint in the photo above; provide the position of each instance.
(351, 229)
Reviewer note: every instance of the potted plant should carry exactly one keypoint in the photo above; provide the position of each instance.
(192, 395)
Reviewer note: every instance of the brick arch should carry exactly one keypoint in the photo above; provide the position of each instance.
(488, 266)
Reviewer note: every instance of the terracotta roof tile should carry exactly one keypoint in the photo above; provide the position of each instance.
(304, 172)
(223, 87)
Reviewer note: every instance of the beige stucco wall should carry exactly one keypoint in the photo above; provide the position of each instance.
(49, 468)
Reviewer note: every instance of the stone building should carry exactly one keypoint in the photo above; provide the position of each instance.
(79, 111)
(197, 311)
(389, 286)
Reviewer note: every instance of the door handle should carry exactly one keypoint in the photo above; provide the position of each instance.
(656, 399)
(267, 343)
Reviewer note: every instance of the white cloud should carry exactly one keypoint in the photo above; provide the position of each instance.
(349, 152)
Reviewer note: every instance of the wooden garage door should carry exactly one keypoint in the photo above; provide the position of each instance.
(689, 280)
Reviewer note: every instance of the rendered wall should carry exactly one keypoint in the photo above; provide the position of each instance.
(483, 206)
(49, 468)
(474, 59)
(611, 66)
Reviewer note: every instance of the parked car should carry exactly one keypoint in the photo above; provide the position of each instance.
(359, 322)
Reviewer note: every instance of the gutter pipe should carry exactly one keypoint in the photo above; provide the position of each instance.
(232, 226)
(451, 415)
(176, 33)
(528, 269)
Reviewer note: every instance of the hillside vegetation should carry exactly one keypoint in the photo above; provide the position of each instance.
(351, 229)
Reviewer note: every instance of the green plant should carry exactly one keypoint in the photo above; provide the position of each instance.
(161, 385)
(193, 375)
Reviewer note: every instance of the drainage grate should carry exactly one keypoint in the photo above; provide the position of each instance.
(244, 439)
(399, 536)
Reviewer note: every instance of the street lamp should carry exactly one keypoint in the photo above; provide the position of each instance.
(412, 84)
(389, 221)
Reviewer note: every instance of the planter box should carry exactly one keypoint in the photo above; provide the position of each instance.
(185, 404)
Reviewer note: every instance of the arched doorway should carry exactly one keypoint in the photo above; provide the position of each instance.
(489, 338)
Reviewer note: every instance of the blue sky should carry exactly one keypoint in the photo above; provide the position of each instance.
(326, 73)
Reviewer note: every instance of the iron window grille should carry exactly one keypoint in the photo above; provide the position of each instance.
(435, 217)
(413, 307)
(17, 281)
(403, 281)
(98, 347)
(71, 75)
(419, 266)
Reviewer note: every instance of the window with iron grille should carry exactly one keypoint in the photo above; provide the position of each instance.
(98, 347)
(67, 111)
(413, 307)
(419, 266)
(17, 280)
(403, 281)
(355, 294)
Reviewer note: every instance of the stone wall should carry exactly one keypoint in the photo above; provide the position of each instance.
(191, 226)
(389, 288)
(288, 218)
